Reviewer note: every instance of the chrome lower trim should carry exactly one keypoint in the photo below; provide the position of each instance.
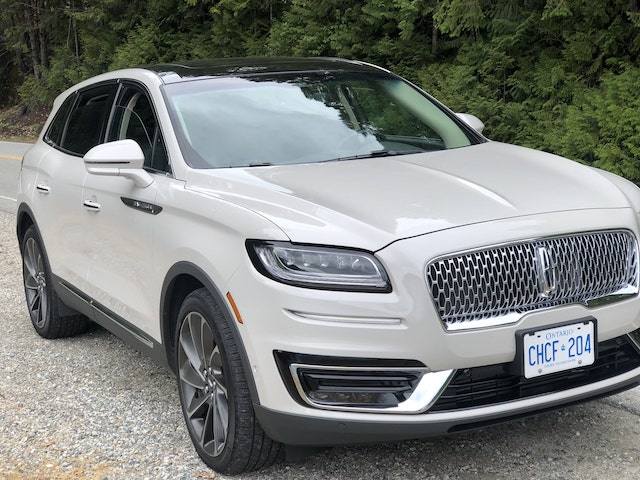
(99, 314)
(635, 338)
(332, 319)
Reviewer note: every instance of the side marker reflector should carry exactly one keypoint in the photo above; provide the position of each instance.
(235, 308)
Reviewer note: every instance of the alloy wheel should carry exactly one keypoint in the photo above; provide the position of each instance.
(203, 384)
(35, 282)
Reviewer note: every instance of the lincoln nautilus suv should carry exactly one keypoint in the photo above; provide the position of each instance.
(324, 254)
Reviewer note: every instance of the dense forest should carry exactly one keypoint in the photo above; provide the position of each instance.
(558, 75)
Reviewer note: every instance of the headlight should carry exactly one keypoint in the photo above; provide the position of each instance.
(311, 266)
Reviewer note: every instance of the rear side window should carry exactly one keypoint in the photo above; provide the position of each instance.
(88, 119)
(56, 131)
(81, 121)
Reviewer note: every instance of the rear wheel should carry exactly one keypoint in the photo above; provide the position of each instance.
(214, 394)
(42, 300)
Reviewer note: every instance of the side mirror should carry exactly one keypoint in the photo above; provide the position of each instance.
(471, 120)
(123, 158)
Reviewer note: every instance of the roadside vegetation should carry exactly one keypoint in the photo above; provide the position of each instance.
(558, 75)
(21, 124)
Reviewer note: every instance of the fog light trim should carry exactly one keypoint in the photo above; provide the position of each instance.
(399, 390)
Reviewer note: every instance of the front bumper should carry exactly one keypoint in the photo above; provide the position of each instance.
(404, 326)
(343, 429)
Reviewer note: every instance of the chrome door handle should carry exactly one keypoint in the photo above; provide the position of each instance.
(42, 188)
(91, 205)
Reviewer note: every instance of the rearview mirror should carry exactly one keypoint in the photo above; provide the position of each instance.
(123, 158)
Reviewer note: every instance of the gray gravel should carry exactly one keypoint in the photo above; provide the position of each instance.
(92, 407)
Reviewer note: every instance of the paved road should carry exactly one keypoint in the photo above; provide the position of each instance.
(10, 156)
(91, 407)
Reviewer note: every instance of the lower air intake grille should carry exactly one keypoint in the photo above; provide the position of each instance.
(493, 384)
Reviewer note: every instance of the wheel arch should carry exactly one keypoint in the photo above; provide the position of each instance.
(24, 219)
(182, 279)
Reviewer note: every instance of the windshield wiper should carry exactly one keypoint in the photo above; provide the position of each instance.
(255, 164)
(374, 154)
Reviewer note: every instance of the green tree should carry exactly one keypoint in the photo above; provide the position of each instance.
(558, 75)
(397, 34)
(603, 127)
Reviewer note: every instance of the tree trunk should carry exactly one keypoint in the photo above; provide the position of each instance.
(42, 36)
(434, 38)
(33, 41)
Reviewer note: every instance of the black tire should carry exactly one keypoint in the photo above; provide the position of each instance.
(214, 394)
(42, 300)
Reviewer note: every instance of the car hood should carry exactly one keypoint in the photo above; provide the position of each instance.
(370, 203)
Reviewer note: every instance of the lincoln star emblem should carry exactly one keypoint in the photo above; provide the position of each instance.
(547, 272)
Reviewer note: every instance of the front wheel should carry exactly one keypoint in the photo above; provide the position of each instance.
(213, 390)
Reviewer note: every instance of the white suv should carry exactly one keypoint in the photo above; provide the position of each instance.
(324, 254)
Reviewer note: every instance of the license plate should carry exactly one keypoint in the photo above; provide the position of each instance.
(560, 348)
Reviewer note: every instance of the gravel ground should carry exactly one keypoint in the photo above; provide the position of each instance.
(92, 407)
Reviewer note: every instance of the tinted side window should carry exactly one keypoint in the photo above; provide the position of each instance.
(56, 130)
(88, 119)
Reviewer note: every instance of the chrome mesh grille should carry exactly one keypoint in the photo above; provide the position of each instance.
(498, 285)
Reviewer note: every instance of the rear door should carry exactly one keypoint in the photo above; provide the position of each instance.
(79, 125)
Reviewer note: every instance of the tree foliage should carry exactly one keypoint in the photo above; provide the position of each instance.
(559, 75)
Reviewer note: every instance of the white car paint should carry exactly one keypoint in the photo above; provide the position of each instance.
(408, 210)
(422, 193)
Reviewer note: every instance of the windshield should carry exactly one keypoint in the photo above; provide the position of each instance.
(279, 120)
